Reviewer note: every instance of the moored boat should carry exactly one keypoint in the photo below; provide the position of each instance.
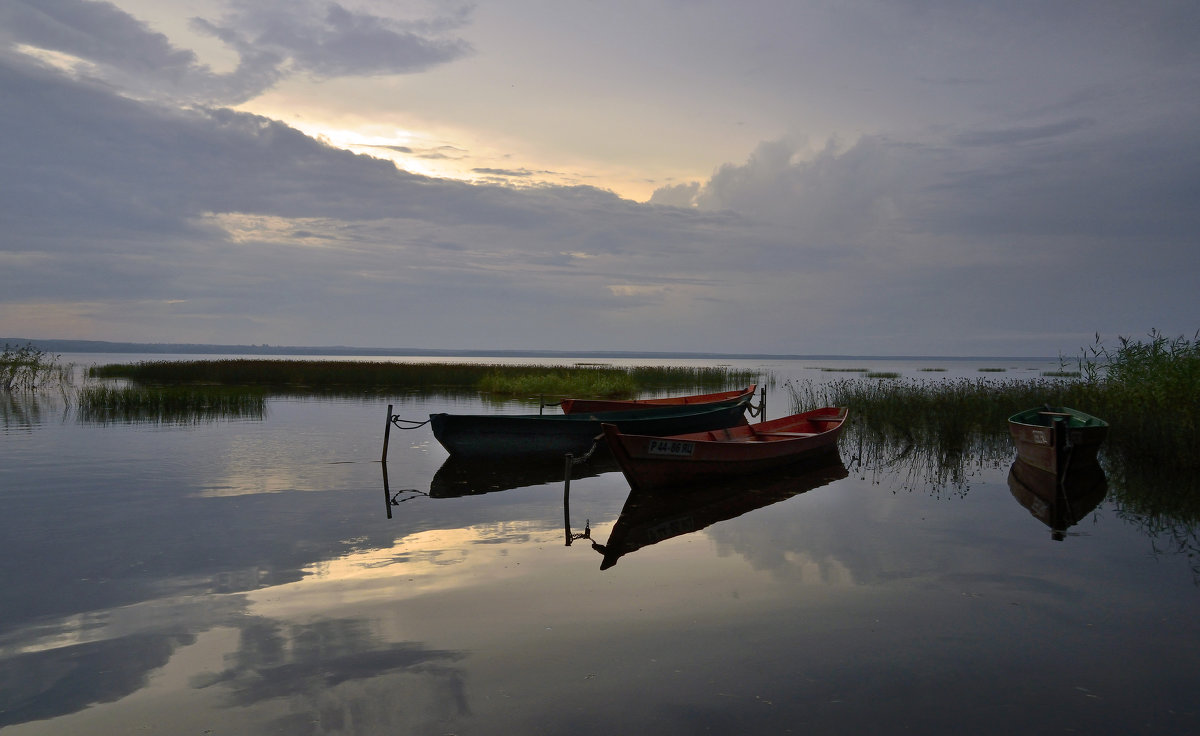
(661, 462)
(1052, 437)
(547, 435)
(726, 398)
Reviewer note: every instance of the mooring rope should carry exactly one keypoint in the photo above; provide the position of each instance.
(413, 423)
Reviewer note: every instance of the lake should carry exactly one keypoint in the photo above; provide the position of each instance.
(252, 576)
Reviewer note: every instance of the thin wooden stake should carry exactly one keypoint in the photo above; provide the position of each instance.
(387, 432)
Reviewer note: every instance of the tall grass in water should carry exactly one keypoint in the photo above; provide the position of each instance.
(1148, 391)
(578, 382)
(174, 404)
(936, 433)
(28, 369)
(298, 375)
(1151, 399)
(317, 376)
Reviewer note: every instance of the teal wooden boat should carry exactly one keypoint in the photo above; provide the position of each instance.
(1053, 438)
(555, 435)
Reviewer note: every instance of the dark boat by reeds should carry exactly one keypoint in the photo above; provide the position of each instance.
(660, 462)
(650, 517)
(1058, 500)
(474, 476)
(1054, 437)
(721, 398)
(555, 435)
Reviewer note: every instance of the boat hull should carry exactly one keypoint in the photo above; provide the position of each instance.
(538, 435)
(651, 462)
(1051, 438)
(723, 398)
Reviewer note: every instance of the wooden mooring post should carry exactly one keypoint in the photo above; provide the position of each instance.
(387, 433)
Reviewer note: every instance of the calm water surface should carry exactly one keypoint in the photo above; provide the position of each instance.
(244, 577)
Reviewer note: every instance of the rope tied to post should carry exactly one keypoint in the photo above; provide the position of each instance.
(411, 423)
(395, 421)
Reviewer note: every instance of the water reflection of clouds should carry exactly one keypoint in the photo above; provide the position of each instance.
(857, 533)
(435, 560)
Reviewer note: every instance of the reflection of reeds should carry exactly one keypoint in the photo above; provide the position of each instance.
(1148, 391)
(932, 433)
(312, 376)
(169, 404)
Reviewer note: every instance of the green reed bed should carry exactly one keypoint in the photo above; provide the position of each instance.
(299, 374)
(585, 382)
(170, 404)
(1148, 391)
(318, 376)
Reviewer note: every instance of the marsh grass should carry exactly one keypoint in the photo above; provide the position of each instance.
(993, 370)
(1061, 374)
(172, 404)
(883, 374)
(933, 370)
(591, 382)
(1147, 390)
(303, 376)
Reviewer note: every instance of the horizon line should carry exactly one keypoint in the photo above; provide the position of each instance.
(106, 346)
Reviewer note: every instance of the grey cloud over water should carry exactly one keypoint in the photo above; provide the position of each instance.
(131, 216)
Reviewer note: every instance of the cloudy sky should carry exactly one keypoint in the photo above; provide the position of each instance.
(927, 177)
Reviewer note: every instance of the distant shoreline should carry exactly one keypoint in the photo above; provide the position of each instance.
(100, 346)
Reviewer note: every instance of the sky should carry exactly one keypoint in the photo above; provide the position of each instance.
(861, 177)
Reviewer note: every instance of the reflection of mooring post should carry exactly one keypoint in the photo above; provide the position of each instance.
(387, 433)
(387, 493)
(570, 460)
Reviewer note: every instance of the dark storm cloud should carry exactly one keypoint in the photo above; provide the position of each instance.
(327, 40)
(272, 40)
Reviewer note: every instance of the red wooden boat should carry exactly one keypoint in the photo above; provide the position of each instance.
(587, 406)
(660, 462)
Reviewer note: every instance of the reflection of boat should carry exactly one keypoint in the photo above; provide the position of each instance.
(473, 476)
(1049, 437)
(658, 462)
(554, 435)
(1058, 501)
(649, 517)
(582, 406)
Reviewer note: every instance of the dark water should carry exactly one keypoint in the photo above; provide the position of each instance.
(243, 577)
